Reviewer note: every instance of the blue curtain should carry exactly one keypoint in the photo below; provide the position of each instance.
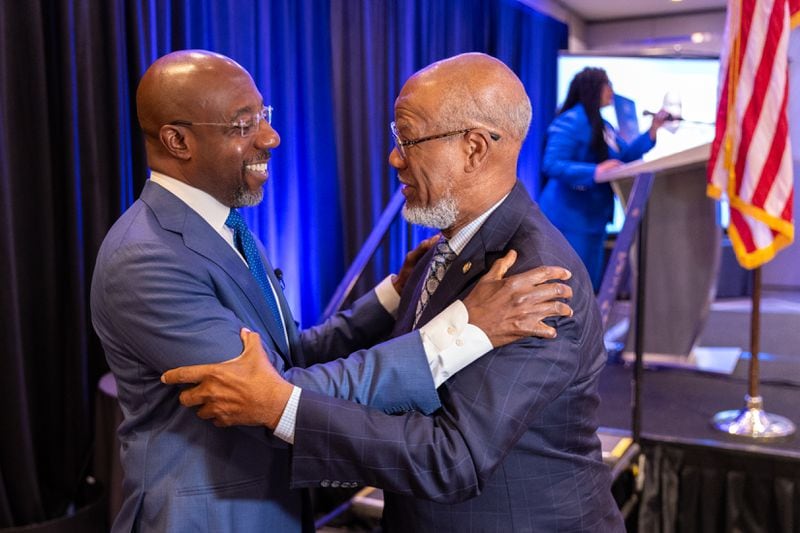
(377, 45)
(286, 46)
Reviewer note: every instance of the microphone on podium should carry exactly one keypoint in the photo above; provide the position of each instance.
(670, 116)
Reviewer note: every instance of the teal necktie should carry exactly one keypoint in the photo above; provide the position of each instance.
(247, 246)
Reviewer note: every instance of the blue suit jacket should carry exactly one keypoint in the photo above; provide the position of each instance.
(571, 199)
(169, 291)
(514, 446)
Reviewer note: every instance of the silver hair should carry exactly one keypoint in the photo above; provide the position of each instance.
(441, 215)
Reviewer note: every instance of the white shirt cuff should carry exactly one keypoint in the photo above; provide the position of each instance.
(451, 342)
(387, 296)
(285, 428)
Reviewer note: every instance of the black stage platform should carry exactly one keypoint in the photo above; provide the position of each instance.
(678, 404)
(697, 478)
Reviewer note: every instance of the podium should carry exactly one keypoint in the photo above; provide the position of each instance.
(682, 255)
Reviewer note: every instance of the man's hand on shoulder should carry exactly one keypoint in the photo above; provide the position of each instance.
(510, 308)
(245, 391)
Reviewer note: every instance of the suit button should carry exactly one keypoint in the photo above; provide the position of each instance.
(451, 330)
(325, 483)
(335, 484)
(459, 342)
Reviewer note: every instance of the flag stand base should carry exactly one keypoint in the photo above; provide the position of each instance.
(752, 422)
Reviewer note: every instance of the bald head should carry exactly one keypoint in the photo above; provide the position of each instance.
(203, 120)
(183, 85)
(470, 89)
(476, 114)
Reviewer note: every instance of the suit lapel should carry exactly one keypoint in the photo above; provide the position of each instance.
(275, 328)
(174, 215)
(292, 332)
(408, 300)
(291, 329)
(485, 247)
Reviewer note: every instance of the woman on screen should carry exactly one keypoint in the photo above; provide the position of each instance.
(580, 147)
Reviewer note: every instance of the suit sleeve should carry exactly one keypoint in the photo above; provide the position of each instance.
(147, 303)
(633, 151)
(361, 326)
(392, 376)
(564, 154)
(171, 314)
(449, 456)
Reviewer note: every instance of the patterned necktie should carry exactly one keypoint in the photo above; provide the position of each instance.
(247, 246)
(442, 259)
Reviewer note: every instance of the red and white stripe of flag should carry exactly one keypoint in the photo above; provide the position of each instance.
(751, 161)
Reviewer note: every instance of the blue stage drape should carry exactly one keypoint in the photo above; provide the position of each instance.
(376, 47)
(72, 159)
(285, 45)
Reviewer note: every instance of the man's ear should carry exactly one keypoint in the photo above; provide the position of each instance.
(174, 140)
(478, 149)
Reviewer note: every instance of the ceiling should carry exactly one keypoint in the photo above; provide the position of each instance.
(597, 10)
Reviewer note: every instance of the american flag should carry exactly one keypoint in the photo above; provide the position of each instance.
(751, 160)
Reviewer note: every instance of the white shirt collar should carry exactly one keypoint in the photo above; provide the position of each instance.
(205, 205)
(458, 241)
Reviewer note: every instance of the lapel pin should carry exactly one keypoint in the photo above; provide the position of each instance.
(466, 267)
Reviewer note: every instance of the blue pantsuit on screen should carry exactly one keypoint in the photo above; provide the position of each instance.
(574, 203)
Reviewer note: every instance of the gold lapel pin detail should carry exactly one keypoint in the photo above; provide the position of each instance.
(466, 267)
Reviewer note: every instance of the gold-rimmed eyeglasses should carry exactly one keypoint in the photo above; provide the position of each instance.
(247, 124)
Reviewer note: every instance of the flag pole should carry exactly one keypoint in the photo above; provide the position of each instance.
(752, 421)
(755, 335)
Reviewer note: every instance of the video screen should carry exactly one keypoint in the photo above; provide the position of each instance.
(687, 86)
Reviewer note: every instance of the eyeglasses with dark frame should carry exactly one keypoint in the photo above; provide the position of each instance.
(247, 124)
(401, 144)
